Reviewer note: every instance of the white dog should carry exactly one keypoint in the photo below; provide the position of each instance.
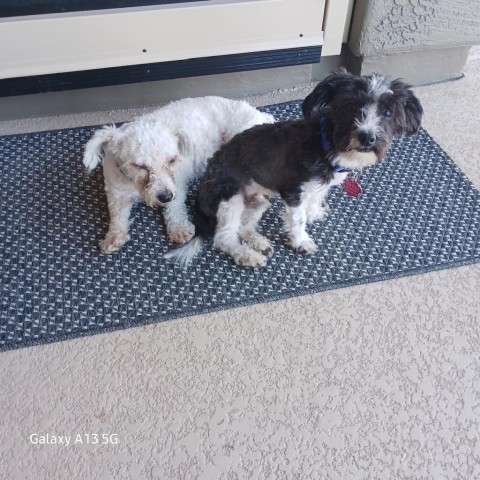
(156, 156)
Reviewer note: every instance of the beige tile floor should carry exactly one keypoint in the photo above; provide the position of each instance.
(375, 381)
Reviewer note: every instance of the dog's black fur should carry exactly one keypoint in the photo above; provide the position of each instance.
(285, 156)
(281, 158)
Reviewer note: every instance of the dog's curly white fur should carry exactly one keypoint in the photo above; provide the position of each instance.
(156, 156)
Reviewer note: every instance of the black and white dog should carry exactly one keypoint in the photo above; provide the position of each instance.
(349, 124)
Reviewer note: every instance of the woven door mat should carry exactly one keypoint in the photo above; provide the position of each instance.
(417, 213)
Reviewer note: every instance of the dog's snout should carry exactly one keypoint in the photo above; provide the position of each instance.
(367, 139)
(165, 196)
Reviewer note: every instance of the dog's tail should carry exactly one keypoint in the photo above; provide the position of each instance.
(204, 229)
(184, 255)
(93, 153)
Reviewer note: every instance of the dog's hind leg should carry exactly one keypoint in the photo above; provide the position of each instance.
(295, 219)
(227, 239)
(119, 207)
(256, 205)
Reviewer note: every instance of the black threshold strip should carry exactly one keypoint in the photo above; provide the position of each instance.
(159, 71)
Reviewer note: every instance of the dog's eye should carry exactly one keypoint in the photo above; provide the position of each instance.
(172, 160)
(141, 167)
(387, 113)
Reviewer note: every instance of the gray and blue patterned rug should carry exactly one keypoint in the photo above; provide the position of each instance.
(418, 213)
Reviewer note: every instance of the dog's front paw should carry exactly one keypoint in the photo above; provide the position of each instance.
(251, 259)
(259, 243)
(113, 242)
(267, 250)
(181, 234)
(304, 247)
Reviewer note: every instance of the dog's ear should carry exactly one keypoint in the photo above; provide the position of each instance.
(413, 114)
(316, 102)
(411, 111)
(182, 143)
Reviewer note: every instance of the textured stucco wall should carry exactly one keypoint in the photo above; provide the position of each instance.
(392, 26)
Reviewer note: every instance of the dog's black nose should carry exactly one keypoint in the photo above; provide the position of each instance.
(367, 139)
(165, 196)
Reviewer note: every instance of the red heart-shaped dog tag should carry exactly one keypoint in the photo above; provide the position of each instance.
(352, 188)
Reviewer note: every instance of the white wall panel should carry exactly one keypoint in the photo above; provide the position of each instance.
(55, 43)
